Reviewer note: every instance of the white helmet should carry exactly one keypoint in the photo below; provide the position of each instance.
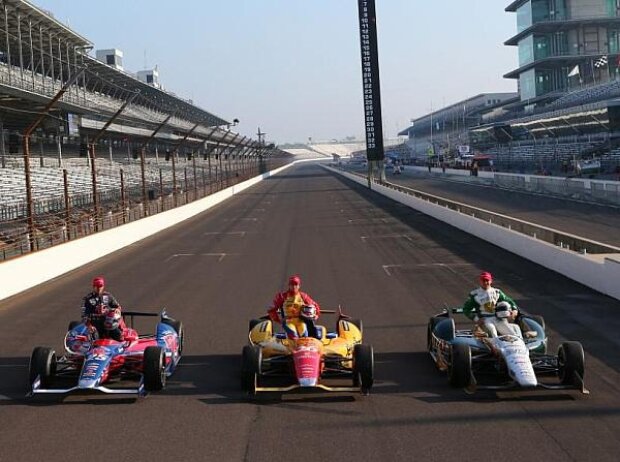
(502, 310)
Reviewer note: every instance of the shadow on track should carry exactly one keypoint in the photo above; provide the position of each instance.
(215, 380)
(571, 310)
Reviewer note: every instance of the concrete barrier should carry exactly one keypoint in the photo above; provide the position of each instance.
(600, 272)
(30, 270)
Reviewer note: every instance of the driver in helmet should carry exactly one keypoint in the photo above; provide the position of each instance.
(101, 311)
(295, 310)
(484, 301)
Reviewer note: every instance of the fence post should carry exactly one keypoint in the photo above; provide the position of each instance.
(174, 178)
(186, 188)
(195, 178)
(123, 199)
(143, 176)
(67, 203)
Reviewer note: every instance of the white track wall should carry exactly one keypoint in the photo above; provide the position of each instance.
(600, 272)
(30, 270)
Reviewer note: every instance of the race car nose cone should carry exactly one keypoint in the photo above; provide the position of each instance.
(86, 384)
(307, 382)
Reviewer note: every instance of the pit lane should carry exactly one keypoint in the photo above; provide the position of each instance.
(339, 237)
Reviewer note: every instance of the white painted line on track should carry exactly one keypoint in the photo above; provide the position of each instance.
(387, 236)
(448, 266)
(175, 255)
(220, 256)
(369, 220)
(386, 268)
(243, 218)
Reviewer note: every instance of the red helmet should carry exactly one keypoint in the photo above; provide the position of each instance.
(486, 276)
(98, 281)
(294, 281)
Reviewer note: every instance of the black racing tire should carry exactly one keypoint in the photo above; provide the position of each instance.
(459, 369)
(357, 323)
(179, 329)
(571, 360)
(253, 323)
(73, 325)
(43, 364)
(154, 368)
(251, 359)
(363, 367)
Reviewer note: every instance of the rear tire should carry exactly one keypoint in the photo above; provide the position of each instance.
(154, 368)
(253, 323)
(251, 359)
(571, 360)
(459, 369)
(43, 364)
(363, 367)
(73, 325)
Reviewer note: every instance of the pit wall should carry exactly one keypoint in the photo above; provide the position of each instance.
(600, 272)
(30, 270)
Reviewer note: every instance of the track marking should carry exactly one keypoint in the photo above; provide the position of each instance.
(175, 255)
(230, 233)
(220, 255)
(387, 236)
(243, 218)
(449, 266)
(371, 220)
(386, 268)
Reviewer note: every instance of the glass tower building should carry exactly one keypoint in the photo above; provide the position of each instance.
(564, 44)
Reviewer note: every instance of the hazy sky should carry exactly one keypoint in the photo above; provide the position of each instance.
(292, 67)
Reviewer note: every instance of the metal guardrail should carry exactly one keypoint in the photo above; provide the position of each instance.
(605, 193)
(543, 233)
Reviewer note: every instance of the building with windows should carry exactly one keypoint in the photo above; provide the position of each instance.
(111, 57)
(150, 77)
(443, 130)
(564, 45)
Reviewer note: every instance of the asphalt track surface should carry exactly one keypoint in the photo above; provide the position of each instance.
(596, 222)
(385, 263)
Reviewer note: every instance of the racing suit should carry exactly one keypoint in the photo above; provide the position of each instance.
(481, 306)
(96, 308)
(287, 309)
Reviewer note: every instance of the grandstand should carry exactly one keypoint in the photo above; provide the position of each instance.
(158, 144)
(567, 108)
(340, 149)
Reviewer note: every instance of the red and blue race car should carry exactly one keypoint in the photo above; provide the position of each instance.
(91, 363)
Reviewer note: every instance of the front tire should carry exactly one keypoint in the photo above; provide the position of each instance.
(363, 367)
(251, 359)
(571, 360)
(459, 369)
(154, 371)
(43, 364)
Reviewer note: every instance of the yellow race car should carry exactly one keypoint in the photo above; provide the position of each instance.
(305, 362)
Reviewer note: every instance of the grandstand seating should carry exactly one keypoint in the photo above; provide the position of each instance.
(590, 94)
(342, 149)
(48, 187)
